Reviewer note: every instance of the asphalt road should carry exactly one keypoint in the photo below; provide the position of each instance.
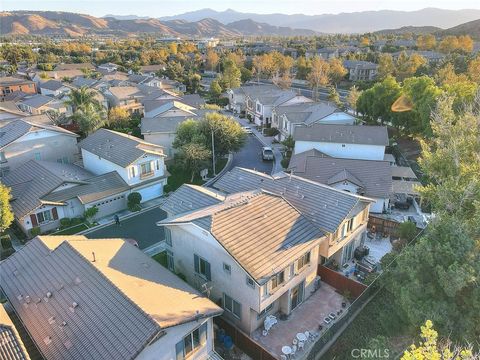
(140, 227)
(250, 156)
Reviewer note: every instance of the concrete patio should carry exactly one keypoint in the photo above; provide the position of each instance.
(307, 317)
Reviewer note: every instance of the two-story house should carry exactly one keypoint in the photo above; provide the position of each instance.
(286, 118)
(21, 141)
(139, 163)
(371, 178)
(11, 84)
(41, 104)
(360, 70)
(44, 192)
(343, 141)
(105, 299)
(255, 248)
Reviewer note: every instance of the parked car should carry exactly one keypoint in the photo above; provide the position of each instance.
(267, 153)
(247, 129)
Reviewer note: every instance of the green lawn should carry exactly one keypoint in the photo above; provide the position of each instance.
(377, 319)
(72, 230)
(161, 258)
(179, 175)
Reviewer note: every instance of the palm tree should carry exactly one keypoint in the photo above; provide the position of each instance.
(89, 117)
(82, 97)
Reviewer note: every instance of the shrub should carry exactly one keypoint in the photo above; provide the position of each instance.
(65, 222)
(6, 241)
(6, 253)
(285, 161)
(134, 200)
(35, 231)
(407, 230)
(90, 213)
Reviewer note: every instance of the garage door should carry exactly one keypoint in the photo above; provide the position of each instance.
(110, 206)
(150, 192)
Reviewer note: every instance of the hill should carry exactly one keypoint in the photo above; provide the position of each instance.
(471, 28)
(420, 30)
(356, 22)
(71, 24)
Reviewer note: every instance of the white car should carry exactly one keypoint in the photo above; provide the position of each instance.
(267, 153)
(247, 129)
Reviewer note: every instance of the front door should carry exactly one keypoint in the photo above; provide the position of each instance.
(297, 295)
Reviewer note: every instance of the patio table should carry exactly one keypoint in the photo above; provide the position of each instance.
(301, 337)
(287, 350)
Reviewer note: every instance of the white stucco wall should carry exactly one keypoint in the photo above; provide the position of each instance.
(346, 151)
(163, 139)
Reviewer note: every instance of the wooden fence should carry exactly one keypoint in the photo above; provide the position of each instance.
(383, 226)
(340, 282)
(243, 341)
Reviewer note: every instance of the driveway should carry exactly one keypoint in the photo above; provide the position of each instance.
(140, 227)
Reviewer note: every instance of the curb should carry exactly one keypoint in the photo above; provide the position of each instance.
(223, 171)
(124, 217)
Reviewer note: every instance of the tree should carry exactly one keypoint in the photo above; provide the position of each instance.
(230, 78)
(81, 97)
(318, 75)
(446, 75)
(215, 90)
(407, 66)
(193, 82)
(90, 213)
(263, 66)
(133, 201)
(353, 97)
(407, 231)
(426, 42)
(89, 118)
(212, 59)
(6, 214)
(283, 81)
(303, 68)
(228, 134)
(448, 44)
(386, 66)
(430, 349)
(473, 70)
(193, 156)
(118, 116)
(334, 97)
(464, 92)
(465, 43)
(336, 71)
(246, 74)
(437, 277)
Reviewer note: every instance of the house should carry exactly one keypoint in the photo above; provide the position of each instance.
(257, 247)
(11, 84)
(105, 299)
(45, 192)
(360, 70)
(11, 346)
(370, 178)
(145, 80)
(261, 100)
(139, 163)
(433, 57)
(286, 118)
(22, 140)
(53, 88)
(125, 97)
(81, 81)
(343, 141)
(41, 104)
(151, 70)
(108, 67)
(9, 111)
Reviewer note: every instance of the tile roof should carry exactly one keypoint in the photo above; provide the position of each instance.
(94, 189)
(401, 171)
(20, 127)
(307, 113)
(323, 205)
(191, 197)
(33, 180)
(346, 134)
(262, 231)
(11, 345)
(119, 148)
(52, 85)
(359, 64)
(375, 177)
(169, 124)
(10, 80)
(110, 308)
(37, 101)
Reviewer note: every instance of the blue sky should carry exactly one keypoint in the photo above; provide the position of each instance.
(157, 8)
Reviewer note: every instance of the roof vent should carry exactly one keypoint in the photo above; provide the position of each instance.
(27, 299)
(67, 343)
(51, 320)
(49, 294)
(73, 307)
(47, 340)
(77, 281)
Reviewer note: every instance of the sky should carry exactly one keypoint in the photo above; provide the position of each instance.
(158, 8)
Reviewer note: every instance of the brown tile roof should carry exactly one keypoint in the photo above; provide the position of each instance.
(11, 345)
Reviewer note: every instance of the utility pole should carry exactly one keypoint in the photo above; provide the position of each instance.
(213, 155)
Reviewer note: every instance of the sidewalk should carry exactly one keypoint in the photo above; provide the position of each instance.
(266, 141)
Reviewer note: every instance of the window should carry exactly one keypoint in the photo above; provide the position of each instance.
(265, 290)
(227, 268)
(146, 169)
(250, 282)
(278, 279)
(168, 236)
(265, 311)
(192, 342)
(132, 171)
(37, 156)
(259, 108)
(304, 260)
(44, 216)
(170, 261)
(202, 267)
(158, 164)
(232, 306)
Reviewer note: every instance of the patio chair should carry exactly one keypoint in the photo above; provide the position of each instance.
(294, 350)
(301, 344)
(264, 332)
(307, 335)
(295, 342)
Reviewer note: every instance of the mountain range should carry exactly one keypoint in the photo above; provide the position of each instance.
(355, 22)
(64, 23)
